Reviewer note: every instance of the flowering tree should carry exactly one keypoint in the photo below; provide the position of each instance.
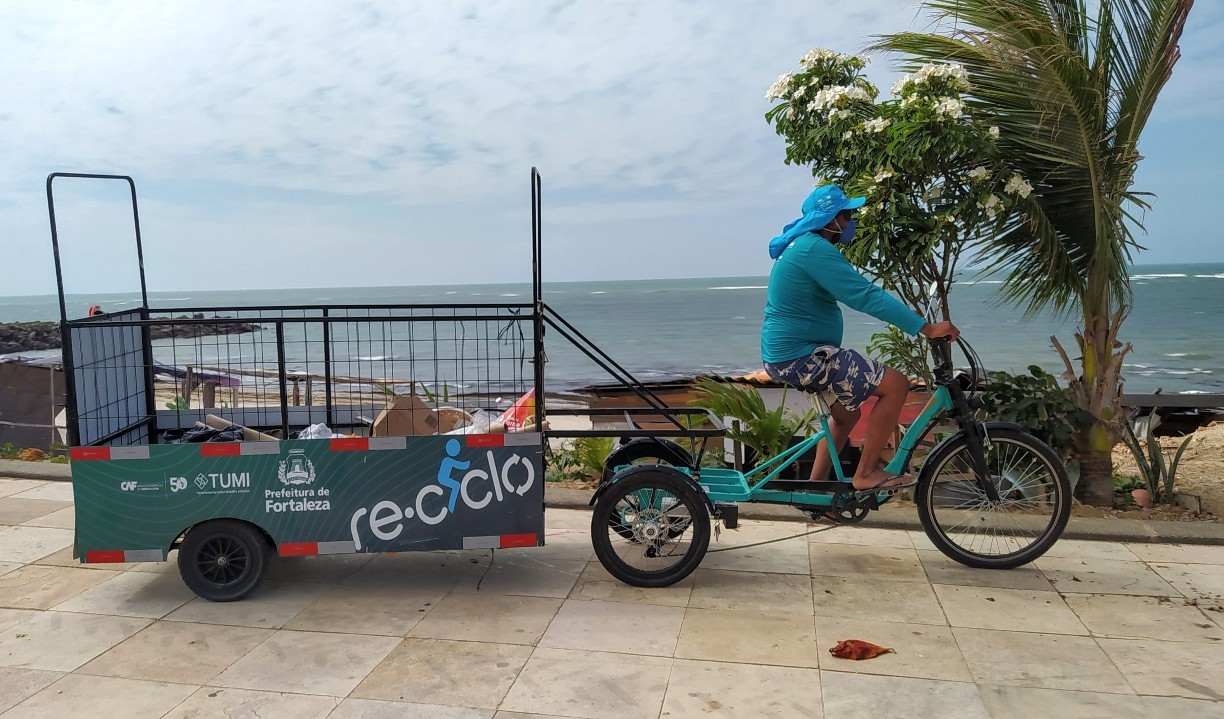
(928, 166)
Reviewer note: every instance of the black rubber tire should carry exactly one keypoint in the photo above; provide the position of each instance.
(209, 553)
(639, 478)
(924, 497)
(664, 451)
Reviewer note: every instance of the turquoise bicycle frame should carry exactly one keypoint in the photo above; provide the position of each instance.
(731, 485)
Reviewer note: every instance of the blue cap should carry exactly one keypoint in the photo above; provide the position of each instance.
(820, 207)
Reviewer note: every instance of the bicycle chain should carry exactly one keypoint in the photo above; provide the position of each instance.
(770, 541)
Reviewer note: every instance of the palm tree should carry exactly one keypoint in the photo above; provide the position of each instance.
(1070, 89)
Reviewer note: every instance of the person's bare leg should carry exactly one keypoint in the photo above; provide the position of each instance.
(880, 425)
(841, 421)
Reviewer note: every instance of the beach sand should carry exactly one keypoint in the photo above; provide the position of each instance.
(1201, 470)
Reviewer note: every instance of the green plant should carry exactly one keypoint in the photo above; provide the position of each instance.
(8, 451)
(766, 432)
(1070, 85)
(1036, 402)
(59, 459)
(579, 459)
(906, 354)
(1158, 472)
(178, 403)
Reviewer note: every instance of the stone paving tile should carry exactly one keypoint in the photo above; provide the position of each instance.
(596, 583)
(16, 510)
(1204, 581)
(62, 519)
(6, 567)
(322, 569)
(942, 570)
(132, 594)
(9, 487)
(41, 587)
(878, 599)
(520, 715)
(1050, 661)
(308, 663)
(712, 689)
(58, 491)
(62, 641)
(768, 593)
(1091, 550)
(273, 604)
(374, 709)
(13, 617)
(590, 685)
(923, 651)
(422, 570)
(1178, 553)
(790, 557)
(1104, 576)
(177, 652)
(855, 695)
(27, 544)
(569, 520)
(749, 637)
(848, 560)
(864, 537)
(217, 703)
(1182, 669)
(385, 611)
(563, 545)
(615, 627)
(79, 695)
(1024, 702)
(1017, 610)
(488, 618)
(530, 576)
(1123, 617)
(16, 685)
(443, 672)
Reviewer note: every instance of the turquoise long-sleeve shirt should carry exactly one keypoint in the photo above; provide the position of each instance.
(805, 285)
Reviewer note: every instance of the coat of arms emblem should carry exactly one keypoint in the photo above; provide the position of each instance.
(296, 469)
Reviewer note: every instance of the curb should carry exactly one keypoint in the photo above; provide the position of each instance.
(1093, 528)
(16, 469)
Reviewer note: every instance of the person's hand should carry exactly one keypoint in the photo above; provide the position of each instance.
(939, 330)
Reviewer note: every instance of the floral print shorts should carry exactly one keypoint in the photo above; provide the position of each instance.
(845, 373)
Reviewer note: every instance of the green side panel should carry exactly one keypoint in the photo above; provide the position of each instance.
(426, 496)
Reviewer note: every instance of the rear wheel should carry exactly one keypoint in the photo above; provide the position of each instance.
(643, 451)
(650, 528)
(965, 524)
(223, 560)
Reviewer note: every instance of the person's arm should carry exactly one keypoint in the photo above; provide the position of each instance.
(834, 273)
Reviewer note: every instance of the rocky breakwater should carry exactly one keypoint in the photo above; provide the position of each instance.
(31, 336)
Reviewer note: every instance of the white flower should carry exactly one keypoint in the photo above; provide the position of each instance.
(1017, 186)
(777, 90)
(877, 125)
(900, 84)
(978, 173)
(950, 107)
(815, 56)
(947, 218)
(991, 205)
(799, 92)
(883, 175)
(953, 71)
(994, 131)
(847, 135)
(911, 99)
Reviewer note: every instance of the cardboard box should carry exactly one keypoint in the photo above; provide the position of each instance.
(405, 415)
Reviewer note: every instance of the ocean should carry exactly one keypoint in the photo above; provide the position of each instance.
(660, 329)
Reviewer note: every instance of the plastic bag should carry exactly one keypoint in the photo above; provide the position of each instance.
(481, 423)
(521, 413)
(317, 431)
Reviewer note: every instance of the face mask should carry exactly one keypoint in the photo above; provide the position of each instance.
(847, 233)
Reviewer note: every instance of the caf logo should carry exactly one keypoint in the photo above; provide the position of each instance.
(296, 468)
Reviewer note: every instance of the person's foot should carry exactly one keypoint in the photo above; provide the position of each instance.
(881, 480)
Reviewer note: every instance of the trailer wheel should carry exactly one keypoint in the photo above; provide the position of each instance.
(223, 560)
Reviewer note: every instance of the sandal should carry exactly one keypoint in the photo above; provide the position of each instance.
(882, 487)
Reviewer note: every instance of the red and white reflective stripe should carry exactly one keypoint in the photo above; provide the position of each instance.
(349, 444)
(221, 449)
(86, 454)
(249, 448)
(310, 549)
(104, 556)
(485, 440)
(503, 541)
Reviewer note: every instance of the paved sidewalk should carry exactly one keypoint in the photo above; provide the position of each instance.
(1094, 629)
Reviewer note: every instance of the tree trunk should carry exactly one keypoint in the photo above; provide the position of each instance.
(1095, 486)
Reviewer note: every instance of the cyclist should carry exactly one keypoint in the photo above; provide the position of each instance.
(802, 334)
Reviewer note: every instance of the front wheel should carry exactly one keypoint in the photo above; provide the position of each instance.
(650, 528)
(965, 524)
(223, 560)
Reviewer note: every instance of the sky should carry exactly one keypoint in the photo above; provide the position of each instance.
(345, 144)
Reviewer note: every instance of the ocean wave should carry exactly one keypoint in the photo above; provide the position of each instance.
(374, 358)
(1217, 276)
(740, 287)
(598, 292)
(509, 294)
(1172, 275)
